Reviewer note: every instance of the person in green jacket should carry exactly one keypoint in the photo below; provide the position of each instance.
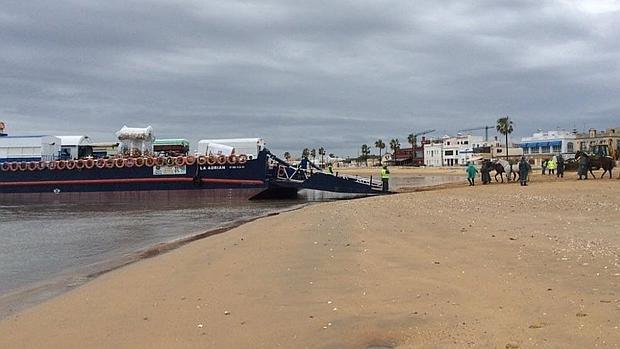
(471, 173)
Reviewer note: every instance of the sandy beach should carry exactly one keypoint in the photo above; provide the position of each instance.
(498, 266)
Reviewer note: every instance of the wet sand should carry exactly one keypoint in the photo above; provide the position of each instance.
(496, 266)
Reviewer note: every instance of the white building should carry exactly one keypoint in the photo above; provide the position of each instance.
(459, 150)
(543, 145)
(29, 148)
(433, 154)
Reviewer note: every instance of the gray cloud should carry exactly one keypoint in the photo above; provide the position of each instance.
(316, 73)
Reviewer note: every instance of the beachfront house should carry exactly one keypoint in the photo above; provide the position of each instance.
(543, 145)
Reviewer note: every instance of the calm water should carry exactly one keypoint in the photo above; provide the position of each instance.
(52, 246)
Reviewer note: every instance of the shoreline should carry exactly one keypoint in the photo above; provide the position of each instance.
(21, 299)
(31, 295)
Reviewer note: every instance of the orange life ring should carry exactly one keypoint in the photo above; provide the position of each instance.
(160, 161)
(232, 159)
(180, 161)
(169, 161)
(70, 164)
(211, 160)
(242, 159)
(129, 162)
(190, 160)
(221, 159)
(139, 162)
(202, 160)
(61, 165)
(5, 166)
(79, 164)
(42, 165)
(52, 165)
(119, 162)
(32, 165)
(23, 166)
(89, 163)
(14, 166)
(100, 163)
(110, 163)
(150, 162)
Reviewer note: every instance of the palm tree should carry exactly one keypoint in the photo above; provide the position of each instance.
(305, 153)
(395, 146)
(365, 152)
(313, 154)
(322, 153)
(413, 140)
(287, 156)
(504, 126)
(380, 145)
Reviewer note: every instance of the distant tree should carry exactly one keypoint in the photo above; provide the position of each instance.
(365, 152)
(395, 146)
(379, 145)
(413, 140)
(305, 153)
(331, 155)
(287, 156)
(504, 126)
(322, 153)
(313, 154)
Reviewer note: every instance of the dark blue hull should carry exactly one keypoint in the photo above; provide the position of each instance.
(218, 181)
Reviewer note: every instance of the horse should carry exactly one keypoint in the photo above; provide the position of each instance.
(598, 162)
(512, 171)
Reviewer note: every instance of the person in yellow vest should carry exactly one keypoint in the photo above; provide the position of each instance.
(330, 169)
(552, 165)
(385, 178)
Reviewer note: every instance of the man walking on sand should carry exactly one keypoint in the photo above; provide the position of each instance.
(524, 169)
(471, 173)
(385, 178)
(561, 166)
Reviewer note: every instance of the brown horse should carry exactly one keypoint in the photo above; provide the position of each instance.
(599, 162)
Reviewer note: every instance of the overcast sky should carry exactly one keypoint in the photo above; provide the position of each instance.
(307, 73)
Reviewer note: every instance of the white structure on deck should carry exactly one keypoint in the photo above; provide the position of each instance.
(247, 146)
(71, 145)
(29, 148)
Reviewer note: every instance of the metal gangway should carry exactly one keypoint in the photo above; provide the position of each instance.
(287, 175)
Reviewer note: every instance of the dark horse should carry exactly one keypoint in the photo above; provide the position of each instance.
(499, 170)
(597, 162)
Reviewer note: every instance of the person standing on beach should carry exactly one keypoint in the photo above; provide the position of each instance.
(544, 167)
(524, 169)
(584, 166)
(385, 178)
(330, 169)
(561, 166)
(471, 173)
(551, 166)
(485, 172)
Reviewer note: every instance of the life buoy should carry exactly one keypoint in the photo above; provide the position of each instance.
(139, 162)
(232, 159)
(42, 165)
(169, 161)
(242, 159)
(32, 165)
(160, 161)
(129, 162)
(119, 163)
(221, 159)
(202, 160)
(180, 160)
(89, 163)
(70, 164)
(79, 164)
(211, 160)
(110, 163)
(5, 166)
(14, 166)
(52, 165)
(100, 163)
(61, 165)
(150, 162)
(190, 160)
(23, 166)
